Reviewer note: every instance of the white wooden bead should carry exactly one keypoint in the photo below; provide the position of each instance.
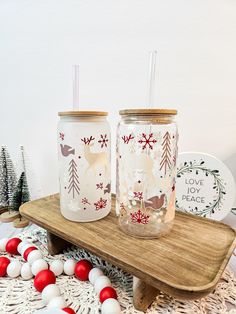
(57, 303)
(24, 247)
(21, 245)
(38, 265)
(13, 269)
(101, 282)
(94, 274)
(57, 267)
(111, 306)
(50, 292)
(69, 267)
(34, 256)
(3, 243)
(26, 272)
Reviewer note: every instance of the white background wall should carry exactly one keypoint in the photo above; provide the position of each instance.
(40, 40)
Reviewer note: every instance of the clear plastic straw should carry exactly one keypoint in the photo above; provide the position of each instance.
(76, 87)
(152, 79)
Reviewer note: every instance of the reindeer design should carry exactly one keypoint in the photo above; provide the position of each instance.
(140, 163)
(94, 159)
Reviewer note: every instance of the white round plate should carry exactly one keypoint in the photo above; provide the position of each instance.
(204, 186)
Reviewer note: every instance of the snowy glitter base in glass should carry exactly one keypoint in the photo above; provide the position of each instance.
(151, 230)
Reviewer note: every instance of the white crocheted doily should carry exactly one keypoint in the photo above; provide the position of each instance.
(18, 296)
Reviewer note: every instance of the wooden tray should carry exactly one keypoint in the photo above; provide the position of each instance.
(186, 264)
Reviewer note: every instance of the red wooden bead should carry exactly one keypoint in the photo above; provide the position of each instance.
(27, 251)
(4, 262)
(107, 293)
(43, 279)
(68, 310)
(82, 269)
(11, 246)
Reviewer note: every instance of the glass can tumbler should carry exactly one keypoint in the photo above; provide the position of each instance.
(84, 165)
(146, 168)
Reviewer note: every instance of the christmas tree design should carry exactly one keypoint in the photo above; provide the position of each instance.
(21, 194)
(166, 154)
(7, 178)
(73, 179)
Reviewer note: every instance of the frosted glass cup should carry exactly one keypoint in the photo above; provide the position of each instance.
(84, 165)
(146, 166)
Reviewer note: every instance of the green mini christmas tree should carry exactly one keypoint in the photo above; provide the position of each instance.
(24, 164)
(7, 179)
(21, 194)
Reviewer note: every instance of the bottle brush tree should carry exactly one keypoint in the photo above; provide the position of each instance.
(21, 194)
(7, 179)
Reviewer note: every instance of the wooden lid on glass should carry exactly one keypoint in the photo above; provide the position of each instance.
(151, 111)
(82, 113)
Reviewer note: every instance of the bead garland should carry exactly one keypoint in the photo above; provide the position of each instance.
(45, 275)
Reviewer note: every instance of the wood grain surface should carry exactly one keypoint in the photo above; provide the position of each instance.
(20, 222)
(82, 113)
(146, 111)
(187, 263)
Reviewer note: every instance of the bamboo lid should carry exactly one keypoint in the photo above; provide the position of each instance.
(146, 111)
(82, 113)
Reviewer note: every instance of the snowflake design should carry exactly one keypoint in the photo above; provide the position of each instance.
(85, 201)
(103, 141)
(138, 195)
(99, 186)
(139, 217)
(100, 204)
(62, 136)
(126, 139)
(147, 141)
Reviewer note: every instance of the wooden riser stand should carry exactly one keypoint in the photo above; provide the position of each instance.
(186, 264)
(143, 294)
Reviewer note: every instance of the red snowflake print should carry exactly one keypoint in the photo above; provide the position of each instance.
(62, 136)
(139, 217)
(103, 141)
(138, 195)
(147, 141)
(85, 201)
(126, 139)
(100, 204)
(99, 186)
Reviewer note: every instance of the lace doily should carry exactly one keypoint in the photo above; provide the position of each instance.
(20, 297)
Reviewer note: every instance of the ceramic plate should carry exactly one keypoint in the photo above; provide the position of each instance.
(204, 186)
